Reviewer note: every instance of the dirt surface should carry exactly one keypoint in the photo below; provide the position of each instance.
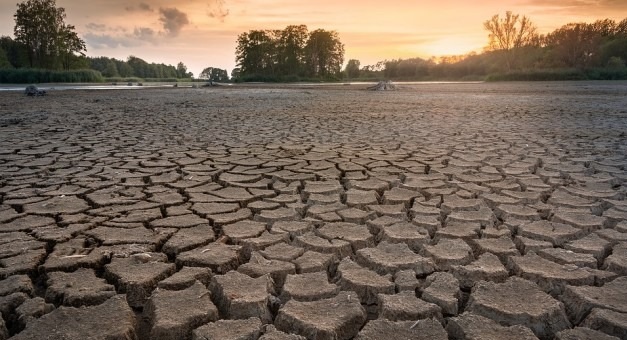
(467, 211)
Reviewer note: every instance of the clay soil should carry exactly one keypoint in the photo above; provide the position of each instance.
(461, 211)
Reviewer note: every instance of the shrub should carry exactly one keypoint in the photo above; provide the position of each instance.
(37, 76)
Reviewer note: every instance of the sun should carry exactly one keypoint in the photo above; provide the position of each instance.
(450, 46)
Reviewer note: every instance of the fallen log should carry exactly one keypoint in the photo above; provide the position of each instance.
(383, 86)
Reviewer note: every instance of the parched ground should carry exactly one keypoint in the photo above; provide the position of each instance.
(461, 211)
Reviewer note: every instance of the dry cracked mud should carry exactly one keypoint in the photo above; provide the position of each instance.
(460, 211)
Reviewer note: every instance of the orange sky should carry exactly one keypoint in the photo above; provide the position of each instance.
(202, 33)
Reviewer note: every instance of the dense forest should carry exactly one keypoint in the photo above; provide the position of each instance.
(46, 49)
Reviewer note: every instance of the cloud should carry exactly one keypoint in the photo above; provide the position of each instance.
(173, 20)
(96, 27)
(142, 6)
(217, 9)
(580, 7)
(140, 36)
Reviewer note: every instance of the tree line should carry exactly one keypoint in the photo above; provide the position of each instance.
(516, 51)
(288, 54)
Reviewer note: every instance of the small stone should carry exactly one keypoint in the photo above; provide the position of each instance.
(340, 317)
(429, 329)
(239, 296)
(442, 289)
(405, 306)
(174, 314)
(229, 330)
(471, 326)
(519, 302)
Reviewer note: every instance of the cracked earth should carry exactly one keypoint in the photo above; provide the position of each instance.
(450, 211)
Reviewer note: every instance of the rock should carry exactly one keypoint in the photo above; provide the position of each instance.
(340, 317)
(607, 321)
(519, 302)
(79, 288)
(580, 301)
(442, 289)
(469, 326)
(550, 276)
(388, 258)
(239, 296)
(185, 278)
(33, 91)
(383, 86)
(487, 267)
(174, 314)
(449, 252)
(366, 283)
(219, 257)
(581, 333)
(137, 278)
(428, 329)
(405, 306)
(113, 319)
(308, 287)
(246, 329)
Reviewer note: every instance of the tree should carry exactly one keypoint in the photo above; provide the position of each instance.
(509, 35)
(352, 68)
(255, 52)
(214, 74)
(16, 53)
(236, 73)
(181, 71)
(324, 53)
(291, 49)
(4, 61)
(575, 45)
(49, 41)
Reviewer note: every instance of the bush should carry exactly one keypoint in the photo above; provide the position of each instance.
(37, 76)
(539, 75)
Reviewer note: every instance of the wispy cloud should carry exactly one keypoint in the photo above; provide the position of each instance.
(173, 20)
(217, 9)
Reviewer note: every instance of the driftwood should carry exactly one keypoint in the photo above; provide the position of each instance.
(33, 91)
(383, 86)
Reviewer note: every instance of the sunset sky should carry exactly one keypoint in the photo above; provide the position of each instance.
(203, 33)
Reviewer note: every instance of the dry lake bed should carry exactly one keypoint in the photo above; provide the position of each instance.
(438, 211)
